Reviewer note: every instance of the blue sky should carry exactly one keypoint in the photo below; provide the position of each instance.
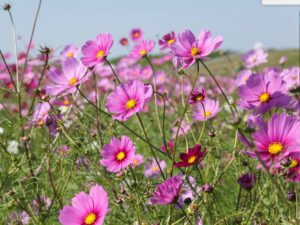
(240, 22)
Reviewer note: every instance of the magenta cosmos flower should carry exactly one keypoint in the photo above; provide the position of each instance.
(69, 51)
(128, 98)
(94, 52)
(167, 192)
(191, 158)
(65, 81)
(276, 138)
(118, 154)
(167, 40)
(254, 57)
(136, 34)
(86, 209)
(141, 49)
(263, 92)
(187, 48)
(207, 110)
(197, 96)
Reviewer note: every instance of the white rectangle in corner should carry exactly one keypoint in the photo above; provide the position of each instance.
(281, 2)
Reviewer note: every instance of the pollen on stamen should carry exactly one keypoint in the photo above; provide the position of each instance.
(73, 81)
(143, 52)
(194, 51)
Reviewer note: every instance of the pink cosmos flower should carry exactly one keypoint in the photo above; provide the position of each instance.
(184, 128)
(276, 138)
(69, 51)
(128, 98)
(141, 49)
(65, 81)
(282, 60)
(263, 92)
(152, 169)
(255, 57)
(167, 40)
(291, 76)
(137, 160)
(40, 114)
(86, 209)
(188, 49)
(136, 34)
(94, 52)
(118, 154)
(167, 192)
(207, 110)
(243, 76)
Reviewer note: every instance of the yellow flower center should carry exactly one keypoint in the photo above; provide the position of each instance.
(73, 81)
(136, 34)
(70, 55)
(199, 98)
(90, 219)
(264, 97)
(155, 169)
(143, 52)
(130, 104)
(194, 51)
(40, 122)
(207, 114)
(191, 159)
(135, 162)
(171, 41)
(275, 148)
(67, 102)
(294, 163)
(100, 54)
(121, 156)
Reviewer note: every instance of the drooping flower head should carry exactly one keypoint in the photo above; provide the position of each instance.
(191, 158)
(262, 92)
(152, 169)
(69, 51)
(247, 181)
(86, 209)
(118, 154)
(207, 110)
(41, 113)
(167, 192)
(255, 57)
(141, 49)
(276, 138)
(128, 98)
(197, 96)
(65, 81)
(167, 40)
(136, 34)
(187, 48)
(95, 52)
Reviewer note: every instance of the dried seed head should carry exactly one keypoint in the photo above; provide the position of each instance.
(6, 7)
